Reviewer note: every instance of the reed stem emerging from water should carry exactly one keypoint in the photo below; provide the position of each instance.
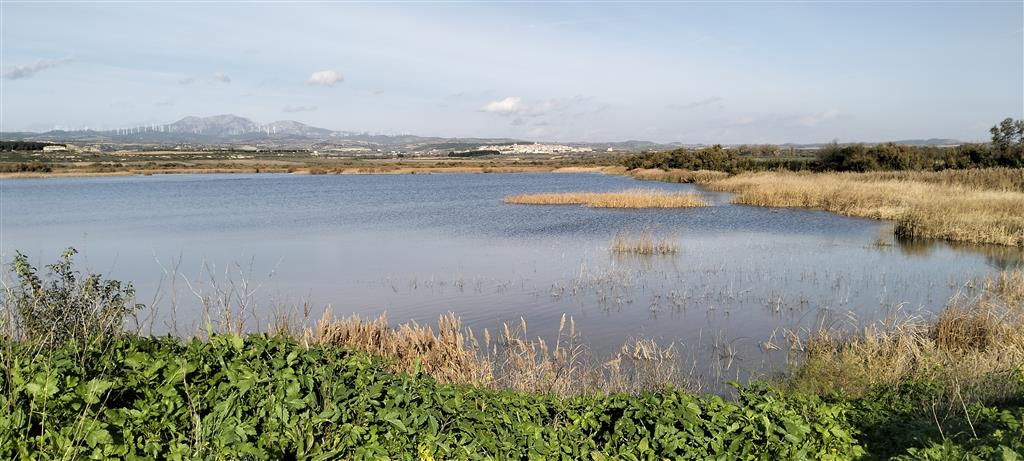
(632, 198)
(976, 344)
(643, 244)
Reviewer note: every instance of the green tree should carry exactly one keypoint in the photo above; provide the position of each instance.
(1008, 133)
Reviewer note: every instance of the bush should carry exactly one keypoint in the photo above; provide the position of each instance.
(23, 167)
(910, 422)
(709, 158)
(66, 305)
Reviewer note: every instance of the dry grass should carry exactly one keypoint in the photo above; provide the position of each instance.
(454, 354)
(1004, 179)
(676, 175)
(613, 169)
(633, 198)
(974, 344)
(643, 244)
(924, 208)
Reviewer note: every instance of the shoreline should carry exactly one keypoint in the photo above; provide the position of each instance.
(905, 198)
(317, 170)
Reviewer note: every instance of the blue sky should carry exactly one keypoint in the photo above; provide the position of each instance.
(690, 72)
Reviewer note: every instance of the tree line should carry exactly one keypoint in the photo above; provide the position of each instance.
(1005, 150)
(11, 146)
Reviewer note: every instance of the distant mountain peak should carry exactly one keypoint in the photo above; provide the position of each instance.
(216, 125)
(233, 125)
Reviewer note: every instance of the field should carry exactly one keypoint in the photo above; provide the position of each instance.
(148, 162)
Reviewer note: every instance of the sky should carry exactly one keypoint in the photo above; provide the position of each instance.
(734, 72)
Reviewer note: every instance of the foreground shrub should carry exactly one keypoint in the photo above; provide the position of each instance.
(65, 304)
(261, 397)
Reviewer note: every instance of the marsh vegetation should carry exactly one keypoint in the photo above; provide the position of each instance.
(976, 206)
(644, 243)
(953, 385)
(822, 326)
(632, 198)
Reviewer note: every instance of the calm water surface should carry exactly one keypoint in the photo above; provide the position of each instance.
(417, 246)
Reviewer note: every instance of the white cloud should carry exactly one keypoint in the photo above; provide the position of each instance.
(298, 108)
(514, 105)
(325, 77)
(187, 80)
(221, 77)
(508, 106)
(30, 70)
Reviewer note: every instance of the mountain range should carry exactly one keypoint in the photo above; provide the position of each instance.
(232, 130)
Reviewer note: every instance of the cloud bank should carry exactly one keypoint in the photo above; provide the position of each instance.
(30, 70)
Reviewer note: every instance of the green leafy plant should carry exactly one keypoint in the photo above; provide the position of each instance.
(66, 305)
(260, 397)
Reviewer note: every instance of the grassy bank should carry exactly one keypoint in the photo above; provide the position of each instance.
(76, 385)
(974, 206)
(633, 198)
(968, 349)
(944, 387)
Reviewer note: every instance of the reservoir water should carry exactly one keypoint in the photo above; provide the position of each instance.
(418, 246)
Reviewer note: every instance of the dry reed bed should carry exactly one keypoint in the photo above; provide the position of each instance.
(921, 209)
(633, 198)
(643, 244)
(512, 360)
(676, 175)
(1007, 179)
(611, 169)
(972, 348)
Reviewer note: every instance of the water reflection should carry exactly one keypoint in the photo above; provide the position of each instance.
(1000, 257)
(418, 246)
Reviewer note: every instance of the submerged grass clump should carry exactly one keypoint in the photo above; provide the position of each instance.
(643, 244)
(632, 198)
(950, 207)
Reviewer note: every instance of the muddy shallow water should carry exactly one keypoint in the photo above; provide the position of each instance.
(417, 246)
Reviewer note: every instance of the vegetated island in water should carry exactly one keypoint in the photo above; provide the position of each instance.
(633, 198)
